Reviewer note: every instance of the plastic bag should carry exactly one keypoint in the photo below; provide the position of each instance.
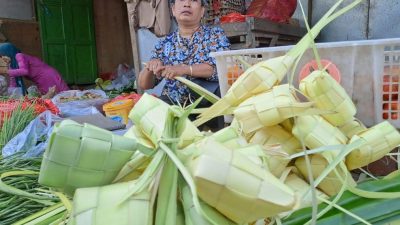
(233, 18)
(79, 103)
(3, 86)
(33, 91)
(90, 110)
(276, 10)
(34, 138)
(125, 78)
(15, 92)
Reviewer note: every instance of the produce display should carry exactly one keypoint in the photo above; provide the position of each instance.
(85, 96)
(14, 119)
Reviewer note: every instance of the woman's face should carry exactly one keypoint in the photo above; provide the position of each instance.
(188, 12)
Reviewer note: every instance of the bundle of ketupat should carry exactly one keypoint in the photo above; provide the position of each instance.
(266, 74)
(327, 136)
(235, 185)
(161, 180)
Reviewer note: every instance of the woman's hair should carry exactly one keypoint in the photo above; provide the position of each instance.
(203, 2)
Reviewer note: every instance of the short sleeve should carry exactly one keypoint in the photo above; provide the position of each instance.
(218, 42)
(158, 51)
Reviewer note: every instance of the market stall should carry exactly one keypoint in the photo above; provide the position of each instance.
(294, 151)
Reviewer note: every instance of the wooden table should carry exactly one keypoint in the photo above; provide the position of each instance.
(255, 32)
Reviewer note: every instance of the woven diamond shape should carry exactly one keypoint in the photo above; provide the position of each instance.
(101, 206)
(83, 156)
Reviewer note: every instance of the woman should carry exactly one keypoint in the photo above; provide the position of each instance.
(43, 75)
(185, 52)
(10, 50)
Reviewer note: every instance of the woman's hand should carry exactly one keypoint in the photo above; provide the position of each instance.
(3, 70)
(170, 72)
(155, 66)
(4, 64)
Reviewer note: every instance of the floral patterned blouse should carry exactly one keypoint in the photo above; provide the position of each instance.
(174, 49)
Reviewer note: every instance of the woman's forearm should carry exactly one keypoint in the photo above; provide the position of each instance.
(23, 66)
(18, 72)
(203, 70)
(146, 79)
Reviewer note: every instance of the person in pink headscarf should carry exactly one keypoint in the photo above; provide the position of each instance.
(43, 75)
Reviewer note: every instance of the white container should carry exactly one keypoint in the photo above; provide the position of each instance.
(363, 66)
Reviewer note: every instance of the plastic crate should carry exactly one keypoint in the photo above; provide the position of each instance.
(370, 71)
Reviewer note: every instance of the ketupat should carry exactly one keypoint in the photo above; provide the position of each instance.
(230, 137)
(266, 74)
(331, 184)
(352, 128)
(159, 139)
(238, 188)
(327, 94)
(101, 206)
(149, 114)
(192, 217)
(134, 168)
(377, 141)
(165, 131)
(139, 161)
(271, 157)
(302, 191)
(288, 124)
(271, 108)
(68, 160)
(316, 132)
(277, 135)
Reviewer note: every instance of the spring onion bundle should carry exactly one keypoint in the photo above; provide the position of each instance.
(20, 193)
(15, 121)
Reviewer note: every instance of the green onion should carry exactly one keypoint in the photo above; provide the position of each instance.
(14, 207)
(16, 122)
